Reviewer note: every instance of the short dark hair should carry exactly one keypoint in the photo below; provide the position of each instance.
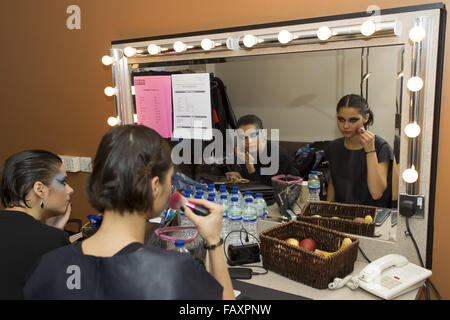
(127, 158)
(250, 119)
(358, 102)
(22, 170)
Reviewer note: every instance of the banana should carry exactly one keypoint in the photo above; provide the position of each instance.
(325, 253)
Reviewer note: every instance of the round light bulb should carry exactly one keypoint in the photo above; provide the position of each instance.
(207, 44)
(417, 34)
(285, 37)
(113, 121)
(129, 51)
(324, 33)
(412, 130)
(368, 28)
(415, 84)
(107, 60)
(110, 91)
(153, 49)
(410, 175)
(179, 46)
(249, 40)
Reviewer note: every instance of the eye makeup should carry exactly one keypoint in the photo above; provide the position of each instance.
(352, 119)
(60, 180)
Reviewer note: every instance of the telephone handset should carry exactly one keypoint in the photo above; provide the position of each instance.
(391, 276)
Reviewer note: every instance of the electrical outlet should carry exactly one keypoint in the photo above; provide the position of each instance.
(85, 164)
(412, 205)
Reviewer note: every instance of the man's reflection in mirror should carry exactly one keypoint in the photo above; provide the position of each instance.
(256, 157)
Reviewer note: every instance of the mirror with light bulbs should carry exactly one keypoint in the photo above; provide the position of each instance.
(407, 39)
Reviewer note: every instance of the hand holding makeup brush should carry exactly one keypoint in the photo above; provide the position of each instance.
(208, 226)
(367, 139)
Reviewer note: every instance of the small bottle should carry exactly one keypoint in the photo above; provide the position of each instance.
(313, 187)
(212, 195)
(235, 220)
(260, 206)
(199, 195)
(179, 246)
(223, 190)
(248, 194)
(225, 223)
(249, 220)
(234, 194)
(198, 189)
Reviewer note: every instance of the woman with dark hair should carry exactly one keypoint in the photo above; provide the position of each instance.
(33, 187)
(130, 183)
(360, 162)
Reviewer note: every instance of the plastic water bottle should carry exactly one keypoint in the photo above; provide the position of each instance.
(234, 194)
(248, 194)
(313, 187)
(235, 220)
(223, 201)
(179, 246)
(199, 195)
(249, 220)
(198, 189)
(212, 195)
(187, 194)
(260, 206)
(223, 190)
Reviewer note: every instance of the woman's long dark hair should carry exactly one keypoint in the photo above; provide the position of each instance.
(357, 102)
(22, 170)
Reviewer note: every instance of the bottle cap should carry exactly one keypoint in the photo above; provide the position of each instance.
(234, 199)
(211, 185)
(222, 187)
(249, 200)
(258, 195)
(179, 243)
(313, 172)
(198, 187)
(224, 196)
(198, 196)
(247, 193)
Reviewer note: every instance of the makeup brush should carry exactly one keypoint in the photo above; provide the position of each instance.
(359, 129)
(177, 200)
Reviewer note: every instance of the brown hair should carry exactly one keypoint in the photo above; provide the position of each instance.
(127, 158)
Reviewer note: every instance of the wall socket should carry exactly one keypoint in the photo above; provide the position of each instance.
(412, 205)
(76, 164)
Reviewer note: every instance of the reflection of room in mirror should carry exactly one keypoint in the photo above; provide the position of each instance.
(298, 92)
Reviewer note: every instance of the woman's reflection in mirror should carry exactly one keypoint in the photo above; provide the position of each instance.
(361, 162)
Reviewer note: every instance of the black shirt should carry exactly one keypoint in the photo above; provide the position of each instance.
(349, 173)
(287, 165)
(151, 273)
(23, 240)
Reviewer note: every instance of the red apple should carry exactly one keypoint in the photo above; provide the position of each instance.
(359, 219)
(308, 244)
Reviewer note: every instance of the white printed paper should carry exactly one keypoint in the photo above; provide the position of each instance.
(191, 98)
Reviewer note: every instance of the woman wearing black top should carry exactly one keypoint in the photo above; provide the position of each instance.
(130, 183)
(33, 187)
(361, 163)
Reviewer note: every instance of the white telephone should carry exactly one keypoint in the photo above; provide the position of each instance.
(391, 276)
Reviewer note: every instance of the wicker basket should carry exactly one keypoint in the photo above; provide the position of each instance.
(306, 266)
(345, 212)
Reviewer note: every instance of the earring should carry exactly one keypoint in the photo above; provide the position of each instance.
(42, 203)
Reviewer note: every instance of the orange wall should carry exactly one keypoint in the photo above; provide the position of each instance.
(52, 79)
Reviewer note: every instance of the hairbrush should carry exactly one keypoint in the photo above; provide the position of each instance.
(177, 200)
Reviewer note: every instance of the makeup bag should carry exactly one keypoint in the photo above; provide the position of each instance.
(287, 189)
